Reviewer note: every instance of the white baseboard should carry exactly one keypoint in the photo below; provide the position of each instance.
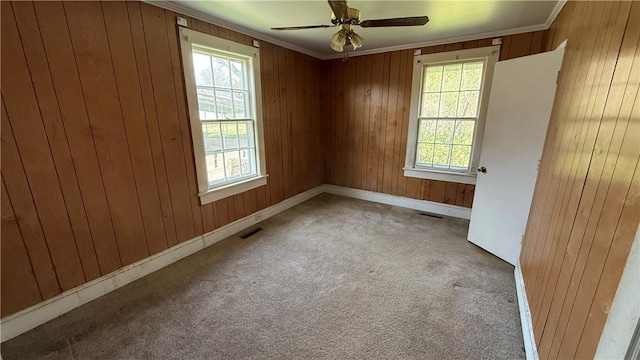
(525, 317)
(422, 205)
(27, 319)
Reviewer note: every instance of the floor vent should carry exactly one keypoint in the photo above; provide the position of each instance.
(251, 232)
(431, 215)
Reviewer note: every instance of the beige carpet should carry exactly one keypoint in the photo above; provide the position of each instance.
(333, 278)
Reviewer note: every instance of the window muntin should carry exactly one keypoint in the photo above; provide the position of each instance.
(449, 109)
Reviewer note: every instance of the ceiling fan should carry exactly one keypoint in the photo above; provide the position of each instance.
(346, 17)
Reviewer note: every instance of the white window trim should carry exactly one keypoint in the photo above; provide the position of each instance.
(206, 193)
(490, 56)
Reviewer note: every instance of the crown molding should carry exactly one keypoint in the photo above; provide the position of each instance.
(181, 9)
(554, 13)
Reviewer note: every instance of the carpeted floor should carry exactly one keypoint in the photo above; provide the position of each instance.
(332, 278)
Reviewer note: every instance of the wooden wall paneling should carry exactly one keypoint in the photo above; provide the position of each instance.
(24, 124)
(406, 103)
(185, 128)
(451, 192)
(269, 118)
(358, 119)
(120, 42)
(520, 45)
(278, 128)
(391, 123)
(366, 123)
(617, 166)
(347, 133)
(59, 146)
(151, 118)
(550, 182)
(64, 74)
(459, 195)
(591, 159)
(559, 193)
(468, 195)
(536, 42)
(170, 131)
(24, 211)
(398, 162)
(89, 39)
(283, 71)
(382, 127)
(574, 188)
(589, 137)
(504, 48)
(19, 284)
(375, 118)
(295, 82)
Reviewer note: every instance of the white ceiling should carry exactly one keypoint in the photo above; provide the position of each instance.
(450, 21)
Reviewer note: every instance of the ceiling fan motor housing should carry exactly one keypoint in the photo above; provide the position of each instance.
(353, 17)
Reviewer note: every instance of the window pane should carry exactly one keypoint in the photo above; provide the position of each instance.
(430, 104)
(206, 103)
(230, 135)
(243, 140)
(460, 155)
(245, 162)
(449, 104)
(215, 169)
(425, 154)
(232, 164)
(468, 106)
(221, 71)
(463, 134)
(472, 76)
(223, 102)
(427, 132)
(212, 137)
(451, 80)
(444, 131)
(237, 74)
(202, 69)
(432, 79)
(240, 106)
(441, 155)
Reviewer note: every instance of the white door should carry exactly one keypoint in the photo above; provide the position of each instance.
(520, 103)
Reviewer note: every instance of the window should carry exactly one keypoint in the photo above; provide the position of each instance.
(450, 92)
(223, 91)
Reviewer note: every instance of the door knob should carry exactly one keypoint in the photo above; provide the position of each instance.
(482, 169)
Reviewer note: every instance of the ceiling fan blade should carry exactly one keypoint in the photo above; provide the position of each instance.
(407, 21)
(339, 8)
(303, 27)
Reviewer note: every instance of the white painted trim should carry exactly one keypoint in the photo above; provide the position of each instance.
(39, 314)
(422, 205)
(554, 13)
(181, 9)
(463, 178)
(232, 189)
(525, 316)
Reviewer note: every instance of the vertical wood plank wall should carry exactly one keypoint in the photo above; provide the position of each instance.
(369, 98)
(97, 161)
(586, 205)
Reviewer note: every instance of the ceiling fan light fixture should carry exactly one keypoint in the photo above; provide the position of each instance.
(356, 40)
(338, 40)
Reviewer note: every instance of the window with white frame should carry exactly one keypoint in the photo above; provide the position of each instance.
(450, 93)
(223, 92)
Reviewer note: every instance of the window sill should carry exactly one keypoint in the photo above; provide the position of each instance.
(440, 175)
(232, 189)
